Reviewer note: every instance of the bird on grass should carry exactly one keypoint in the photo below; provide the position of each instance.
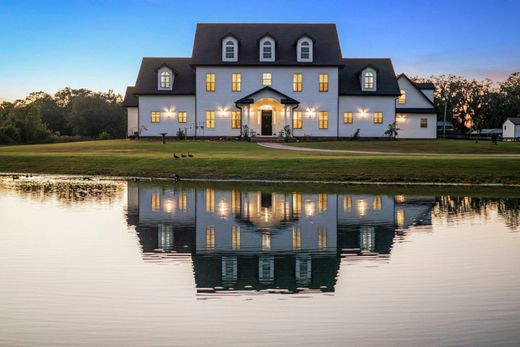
(183, 155)
(175, 156)
(190, 155)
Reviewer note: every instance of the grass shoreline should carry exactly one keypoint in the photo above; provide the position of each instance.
(248, 161)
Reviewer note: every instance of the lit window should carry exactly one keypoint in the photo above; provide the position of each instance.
(323, 118)
(266, 241)
(156, 202)
(210, 237)
(236, 121)
(210, 200)
(165, 79)
(322, 237)
(182, 117)
(305, 50)
(424, 122)
(296, 238)
(324, 82)
(296, 204)
(297, 119)
(210, 82)
(322, 202)
(369, 80)
(348, 117)
(266, 79)
(268, 50)
(297, 82)
(235, 237)
(402, 97)
(236, 201)
(235, 82)
(210, 119)
(156, 117)
(230, 50)
(378, 117)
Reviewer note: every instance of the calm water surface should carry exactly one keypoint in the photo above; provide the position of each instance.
(96, 262)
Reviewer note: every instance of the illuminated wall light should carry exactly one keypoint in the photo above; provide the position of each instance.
(222, 111)
(310, 112)
(401, 119)
(363, 112)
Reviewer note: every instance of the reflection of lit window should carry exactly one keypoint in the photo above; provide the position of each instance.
(322, 202)
(296, 204)
(210, 200)
(156, 201)
(266, 241)
(347, 203)
(235, 237)
(399, 199)
(182, 201)
(303, 269)
(362, 207)
(266, 269)
(322, 237)
(310, 208)
(376, 203)
(400, 217)
(210, 237)
(367, 239)
(236, 201)
(229, 270)
(296, 238)
(165, 236)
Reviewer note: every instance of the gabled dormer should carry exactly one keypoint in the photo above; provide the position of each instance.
(368, 79)
(229, 48)
(267, 48)
(165, 77)
(305, 49)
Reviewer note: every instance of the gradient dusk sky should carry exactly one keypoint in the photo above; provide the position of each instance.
(48, 45)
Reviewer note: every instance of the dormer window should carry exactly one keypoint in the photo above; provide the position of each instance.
(229, 49)
(267, 49)
(304, 50)
(369, 79)
(164, 78)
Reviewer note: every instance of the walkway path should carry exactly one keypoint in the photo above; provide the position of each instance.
(274, 145)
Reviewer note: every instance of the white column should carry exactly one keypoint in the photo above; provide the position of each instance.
(284, 116)
(249, 117)
(291, 109)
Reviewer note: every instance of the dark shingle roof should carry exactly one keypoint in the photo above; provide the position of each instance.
(130, 99)
(424, 85)
(207, 48)
(350, 82)
(284, 99)
(514, 120)
(184, 76)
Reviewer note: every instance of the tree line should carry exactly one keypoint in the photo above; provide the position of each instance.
(473, 104)
(68, 115)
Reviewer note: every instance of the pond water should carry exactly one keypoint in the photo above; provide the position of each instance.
(116, 263)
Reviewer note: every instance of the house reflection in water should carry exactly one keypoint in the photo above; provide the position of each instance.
(252, 240)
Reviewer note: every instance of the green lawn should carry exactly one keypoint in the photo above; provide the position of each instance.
(420, 146)
(215, 160)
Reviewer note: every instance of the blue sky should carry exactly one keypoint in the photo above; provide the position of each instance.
(47, 45)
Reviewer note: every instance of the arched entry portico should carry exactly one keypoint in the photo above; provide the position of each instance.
(266, 112)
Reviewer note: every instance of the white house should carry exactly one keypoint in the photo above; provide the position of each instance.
(511, 128)
(269, 77)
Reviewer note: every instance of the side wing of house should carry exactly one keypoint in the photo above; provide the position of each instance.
(415, 113)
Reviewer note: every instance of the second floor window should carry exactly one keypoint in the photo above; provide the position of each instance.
(323, 119)
(305, 50)
(369, 80)
(210, 82)
(266, 79)
(156, 117)
(297, 120)
(230, 50)
(402, 97)
(324, 82)
(348, 118)
(297, 82)
(268, 50)
(165, 80)
(210, 119)
(182, 117)
(378, 117)
(236, 120)
(235, 82)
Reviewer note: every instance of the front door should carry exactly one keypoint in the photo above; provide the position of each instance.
(267, 123)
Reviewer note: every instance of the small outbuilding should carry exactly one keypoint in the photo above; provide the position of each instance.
(511, 128)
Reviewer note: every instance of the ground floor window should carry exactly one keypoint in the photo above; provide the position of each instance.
(424, 122)
(210, 119)
(182, 117)
(156, 117)
(348, 118)
(236, 120)
(378, 117)
(266, 79)
(297, 120)
(323, 119)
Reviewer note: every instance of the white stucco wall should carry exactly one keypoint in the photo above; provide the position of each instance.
(509, 129)
(133, 121)
(222, 101)
(410, 126)
(169, 106)
(414, 97)
(363, 108)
